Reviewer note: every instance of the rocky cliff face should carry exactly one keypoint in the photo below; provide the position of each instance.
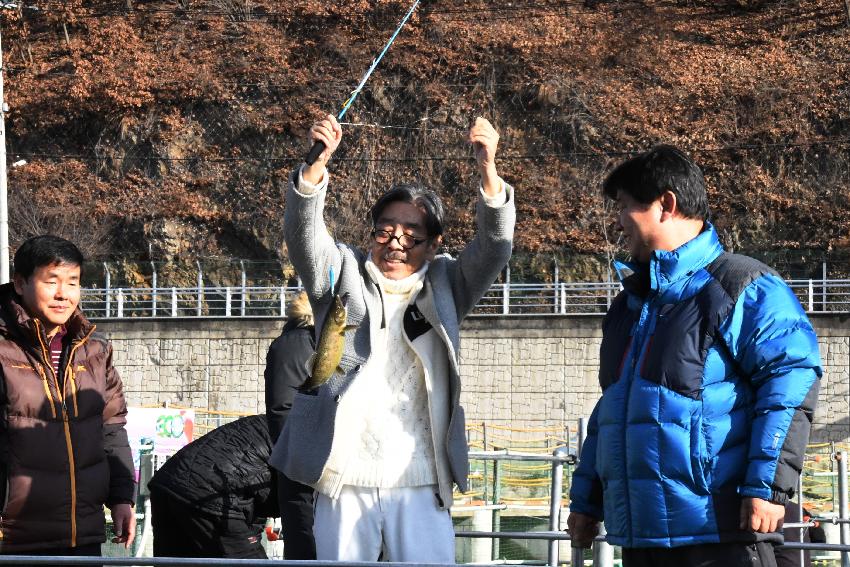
(164, 130)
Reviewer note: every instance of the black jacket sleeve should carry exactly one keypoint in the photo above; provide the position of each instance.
(122, 477)
(286, 371)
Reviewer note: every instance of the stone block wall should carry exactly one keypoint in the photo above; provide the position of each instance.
(530, 372)
(519, 372)
(207, 364)
(832, 417)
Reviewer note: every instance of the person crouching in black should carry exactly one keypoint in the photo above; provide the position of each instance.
(212, 497)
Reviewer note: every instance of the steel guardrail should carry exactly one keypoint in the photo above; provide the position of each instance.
(562, 298)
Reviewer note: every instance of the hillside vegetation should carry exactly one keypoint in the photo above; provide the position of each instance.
(164, 130)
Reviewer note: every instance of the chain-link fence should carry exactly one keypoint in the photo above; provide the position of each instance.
(167, 129)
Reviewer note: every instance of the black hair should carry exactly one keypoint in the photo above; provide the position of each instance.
(417, 195)
(663, 168)
(45, 250)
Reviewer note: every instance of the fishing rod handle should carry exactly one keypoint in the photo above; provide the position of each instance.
(314, 153)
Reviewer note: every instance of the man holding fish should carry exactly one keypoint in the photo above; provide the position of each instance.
(381, 436)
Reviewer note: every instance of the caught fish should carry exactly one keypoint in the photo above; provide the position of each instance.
(325, 361)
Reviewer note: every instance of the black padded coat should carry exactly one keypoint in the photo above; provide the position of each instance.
(225, 473)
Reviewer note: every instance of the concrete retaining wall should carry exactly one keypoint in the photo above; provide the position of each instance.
(521, 372)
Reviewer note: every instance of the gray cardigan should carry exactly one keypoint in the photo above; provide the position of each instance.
(452, 288)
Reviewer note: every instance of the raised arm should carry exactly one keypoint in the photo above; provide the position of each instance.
(485, 140)
(309, 245)
(329, 132)
(480, 263)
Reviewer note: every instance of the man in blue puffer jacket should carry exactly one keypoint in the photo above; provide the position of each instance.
(709, 371)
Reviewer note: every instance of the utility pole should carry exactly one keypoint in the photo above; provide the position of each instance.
(4, 197)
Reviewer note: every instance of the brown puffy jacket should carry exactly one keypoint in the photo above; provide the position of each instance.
(63, 446)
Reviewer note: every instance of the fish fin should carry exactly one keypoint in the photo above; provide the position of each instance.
(350, 327)
(309, 364)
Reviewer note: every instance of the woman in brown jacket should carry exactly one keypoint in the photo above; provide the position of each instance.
(63, 447)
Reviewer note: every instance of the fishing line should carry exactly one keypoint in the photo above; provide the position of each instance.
(319, 147)
(395, 127)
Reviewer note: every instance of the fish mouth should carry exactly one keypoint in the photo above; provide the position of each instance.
(343, 299)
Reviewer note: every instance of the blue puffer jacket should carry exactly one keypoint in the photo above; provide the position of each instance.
(710, 370)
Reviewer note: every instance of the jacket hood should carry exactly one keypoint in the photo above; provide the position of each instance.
(16, 322)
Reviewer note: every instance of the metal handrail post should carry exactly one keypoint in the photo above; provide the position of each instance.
(577, 557)
(497, 514)
(244, 288)
(563, 298)
(832, 467)
(555, 502)
(282, 301)
(147, 529)
(200, 288)
(603, 552)
(506, 291)
(484, 448)
(174, 302)
(582, 433)
(555, 287)
(153, 289)
(108, 286)
(800, 515)
(842, 505)
(227, 299)
(811, 296)
(120, 303)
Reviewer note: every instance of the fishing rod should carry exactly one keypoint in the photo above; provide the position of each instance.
(319, 147)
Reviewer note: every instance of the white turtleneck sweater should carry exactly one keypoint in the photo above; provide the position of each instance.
(383, 427)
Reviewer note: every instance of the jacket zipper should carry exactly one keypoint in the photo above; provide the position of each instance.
(636, 344)
(66, 425)
(69, 371)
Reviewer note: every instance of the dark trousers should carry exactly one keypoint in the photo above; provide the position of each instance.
(182, 531)
(89, 550)
(296, 518)
(708, 555)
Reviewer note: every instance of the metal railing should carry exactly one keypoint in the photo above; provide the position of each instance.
(576, 560)
(601, 551)
(560, 298)
(198, 302)
(559, 457)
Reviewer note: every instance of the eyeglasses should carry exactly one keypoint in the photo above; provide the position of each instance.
(406, 241)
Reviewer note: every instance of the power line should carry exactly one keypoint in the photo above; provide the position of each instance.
(284, 82)
(497, 12)
(511, 10)
(261, 13)
(834, 142)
